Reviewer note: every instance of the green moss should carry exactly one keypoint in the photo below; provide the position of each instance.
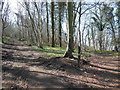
(5, 39)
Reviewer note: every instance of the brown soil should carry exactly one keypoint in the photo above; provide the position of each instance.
(24, 67)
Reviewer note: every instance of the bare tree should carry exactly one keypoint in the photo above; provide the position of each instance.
(5, 16)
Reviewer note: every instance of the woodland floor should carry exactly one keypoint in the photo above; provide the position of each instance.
(24, 67)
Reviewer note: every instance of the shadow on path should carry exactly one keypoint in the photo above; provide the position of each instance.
(53, 63)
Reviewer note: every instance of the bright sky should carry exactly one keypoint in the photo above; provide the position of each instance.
(13, 5)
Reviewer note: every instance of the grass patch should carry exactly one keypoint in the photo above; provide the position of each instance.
(106, 52)
(86, 54)
(56, 51)
(59, 51)
(55, 48)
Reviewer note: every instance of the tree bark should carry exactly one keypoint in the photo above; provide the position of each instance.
(69, 49)
(47, 21)
(100, 40)
(79, 34)
(60, 26)
(32, 22)
(52, 21)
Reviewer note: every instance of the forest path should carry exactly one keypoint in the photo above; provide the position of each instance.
(24, 67)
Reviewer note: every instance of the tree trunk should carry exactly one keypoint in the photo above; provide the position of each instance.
(47, 21)
(89, 42)
(32, 22)
(60, 26)
(39, 31)
(114, 38)
(79, 34)
(100, 40)
(69, 49)
(93, 36)
(52, 21)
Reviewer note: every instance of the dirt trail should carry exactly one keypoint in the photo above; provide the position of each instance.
(24, 67)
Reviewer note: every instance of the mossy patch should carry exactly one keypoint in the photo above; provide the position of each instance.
(5, 39)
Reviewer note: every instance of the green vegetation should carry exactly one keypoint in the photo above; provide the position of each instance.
(86, 54)
(5, 39)
(58, 51)
(104, 51)
(56, 48)
(22, 39)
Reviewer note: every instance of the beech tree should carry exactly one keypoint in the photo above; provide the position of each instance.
(69, 48)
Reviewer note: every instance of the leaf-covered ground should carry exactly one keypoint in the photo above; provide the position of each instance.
(25, 67)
